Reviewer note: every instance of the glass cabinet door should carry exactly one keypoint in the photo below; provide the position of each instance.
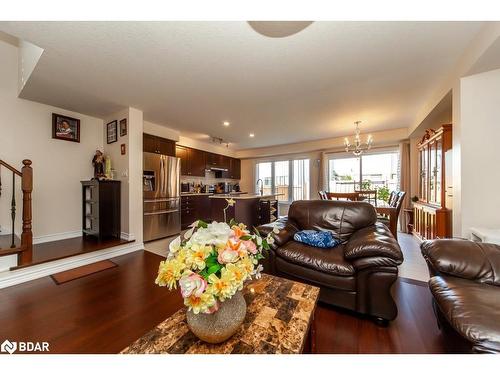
(432, 172)
(439, 163)
(424, 173)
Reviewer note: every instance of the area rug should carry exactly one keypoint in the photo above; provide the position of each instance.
(76, 273)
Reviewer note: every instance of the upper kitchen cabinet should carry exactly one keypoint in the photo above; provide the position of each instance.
(217, 161)
(192, 161)
(234, 169)
(158, 145)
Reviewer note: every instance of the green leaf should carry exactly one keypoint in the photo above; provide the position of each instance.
(232, 222)
(213, 269)
(265, 245)
(245, 238)
(202, 224)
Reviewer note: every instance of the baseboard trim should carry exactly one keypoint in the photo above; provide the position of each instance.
(11, 278)
(127, 236)
(56, 237)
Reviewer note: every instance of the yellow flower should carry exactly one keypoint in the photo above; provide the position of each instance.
(169, 272)
(196, 256)
(199, 304)
(222, 287)
(247, 264)
(237, 274)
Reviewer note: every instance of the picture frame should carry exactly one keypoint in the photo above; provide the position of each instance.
(65, 128)
(123, 127)
(112, 132)
(123, 149)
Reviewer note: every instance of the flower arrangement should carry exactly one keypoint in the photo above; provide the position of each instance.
(211, 262)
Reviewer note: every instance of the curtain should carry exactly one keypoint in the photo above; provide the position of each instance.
(404, 182)
(323, 173)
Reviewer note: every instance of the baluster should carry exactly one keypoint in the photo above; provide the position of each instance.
(13, 208)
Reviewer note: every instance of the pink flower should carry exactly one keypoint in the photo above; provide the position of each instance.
(214, 308)
(250, 246)
(192, 284)
(227, 255)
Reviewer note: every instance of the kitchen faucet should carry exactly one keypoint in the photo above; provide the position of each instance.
(261, 186)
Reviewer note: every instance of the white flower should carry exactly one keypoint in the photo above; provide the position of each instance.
(174, 247)
(276, 230)
(189, 233)
(259, 241)
(270, 240)
(214, 234)
(257, 271)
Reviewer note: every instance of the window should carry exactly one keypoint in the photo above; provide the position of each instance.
(289, 178)
(372, 171)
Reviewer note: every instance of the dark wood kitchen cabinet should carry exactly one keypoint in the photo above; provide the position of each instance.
(192, 161)
(234, 171)
(158, 145)
(194, 207)
(217, 160)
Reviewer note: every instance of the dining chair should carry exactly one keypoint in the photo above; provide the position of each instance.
(389, 215)
(322, 195)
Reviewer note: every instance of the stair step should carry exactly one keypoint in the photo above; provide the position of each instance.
(6, 240)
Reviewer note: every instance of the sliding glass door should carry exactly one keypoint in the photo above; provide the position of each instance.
(374, 171)
(289, 179)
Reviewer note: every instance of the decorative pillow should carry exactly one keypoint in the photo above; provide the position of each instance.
(315, 238)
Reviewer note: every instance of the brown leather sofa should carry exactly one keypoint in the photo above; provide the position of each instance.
(465, 284)
(357, 274)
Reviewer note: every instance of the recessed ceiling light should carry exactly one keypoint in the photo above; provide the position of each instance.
(251, 135)
(226, 123)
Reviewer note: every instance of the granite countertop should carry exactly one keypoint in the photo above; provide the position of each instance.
(278, 320)
(246, 196)
(225, 195)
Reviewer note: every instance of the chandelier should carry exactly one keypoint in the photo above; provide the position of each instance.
(358, 147)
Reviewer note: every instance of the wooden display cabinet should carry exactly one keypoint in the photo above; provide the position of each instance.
(432, 212)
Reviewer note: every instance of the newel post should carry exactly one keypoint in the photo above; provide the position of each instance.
(27, 234)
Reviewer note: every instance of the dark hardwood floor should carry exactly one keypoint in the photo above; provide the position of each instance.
(106, 311)
(49, 251)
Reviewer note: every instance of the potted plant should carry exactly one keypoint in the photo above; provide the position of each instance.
(210, 263)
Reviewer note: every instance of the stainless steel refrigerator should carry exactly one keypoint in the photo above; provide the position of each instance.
(161, 192)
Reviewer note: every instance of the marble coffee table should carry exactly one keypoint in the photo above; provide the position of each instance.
(280, 319)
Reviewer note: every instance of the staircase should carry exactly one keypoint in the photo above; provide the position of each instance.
(11, 244)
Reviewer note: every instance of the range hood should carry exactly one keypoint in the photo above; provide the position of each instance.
(217, 169)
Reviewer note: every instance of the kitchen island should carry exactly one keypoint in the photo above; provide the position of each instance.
(250, 209)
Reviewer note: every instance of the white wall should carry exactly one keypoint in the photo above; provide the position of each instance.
(128, 169)
(480, 156)
(58, 166)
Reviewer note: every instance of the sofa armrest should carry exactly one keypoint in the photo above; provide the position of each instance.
(374, 241)
(286, 231)
(465, 259)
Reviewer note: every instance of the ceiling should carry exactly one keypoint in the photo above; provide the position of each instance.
(192, 76)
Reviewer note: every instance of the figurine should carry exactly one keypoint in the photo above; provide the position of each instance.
(98, 162)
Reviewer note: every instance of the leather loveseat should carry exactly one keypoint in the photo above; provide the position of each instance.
(357, 274)
(465, 284)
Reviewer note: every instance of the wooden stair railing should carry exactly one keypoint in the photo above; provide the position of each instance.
(25, 254)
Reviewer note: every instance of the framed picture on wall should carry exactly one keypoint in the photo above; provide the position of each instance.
(112, 132)
(65, 128)
(123, 127)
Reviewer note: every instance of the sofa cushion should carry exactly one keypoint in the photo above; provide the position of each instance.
(472, 309)
(329, 260)
(342, 218)
(323, 239)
